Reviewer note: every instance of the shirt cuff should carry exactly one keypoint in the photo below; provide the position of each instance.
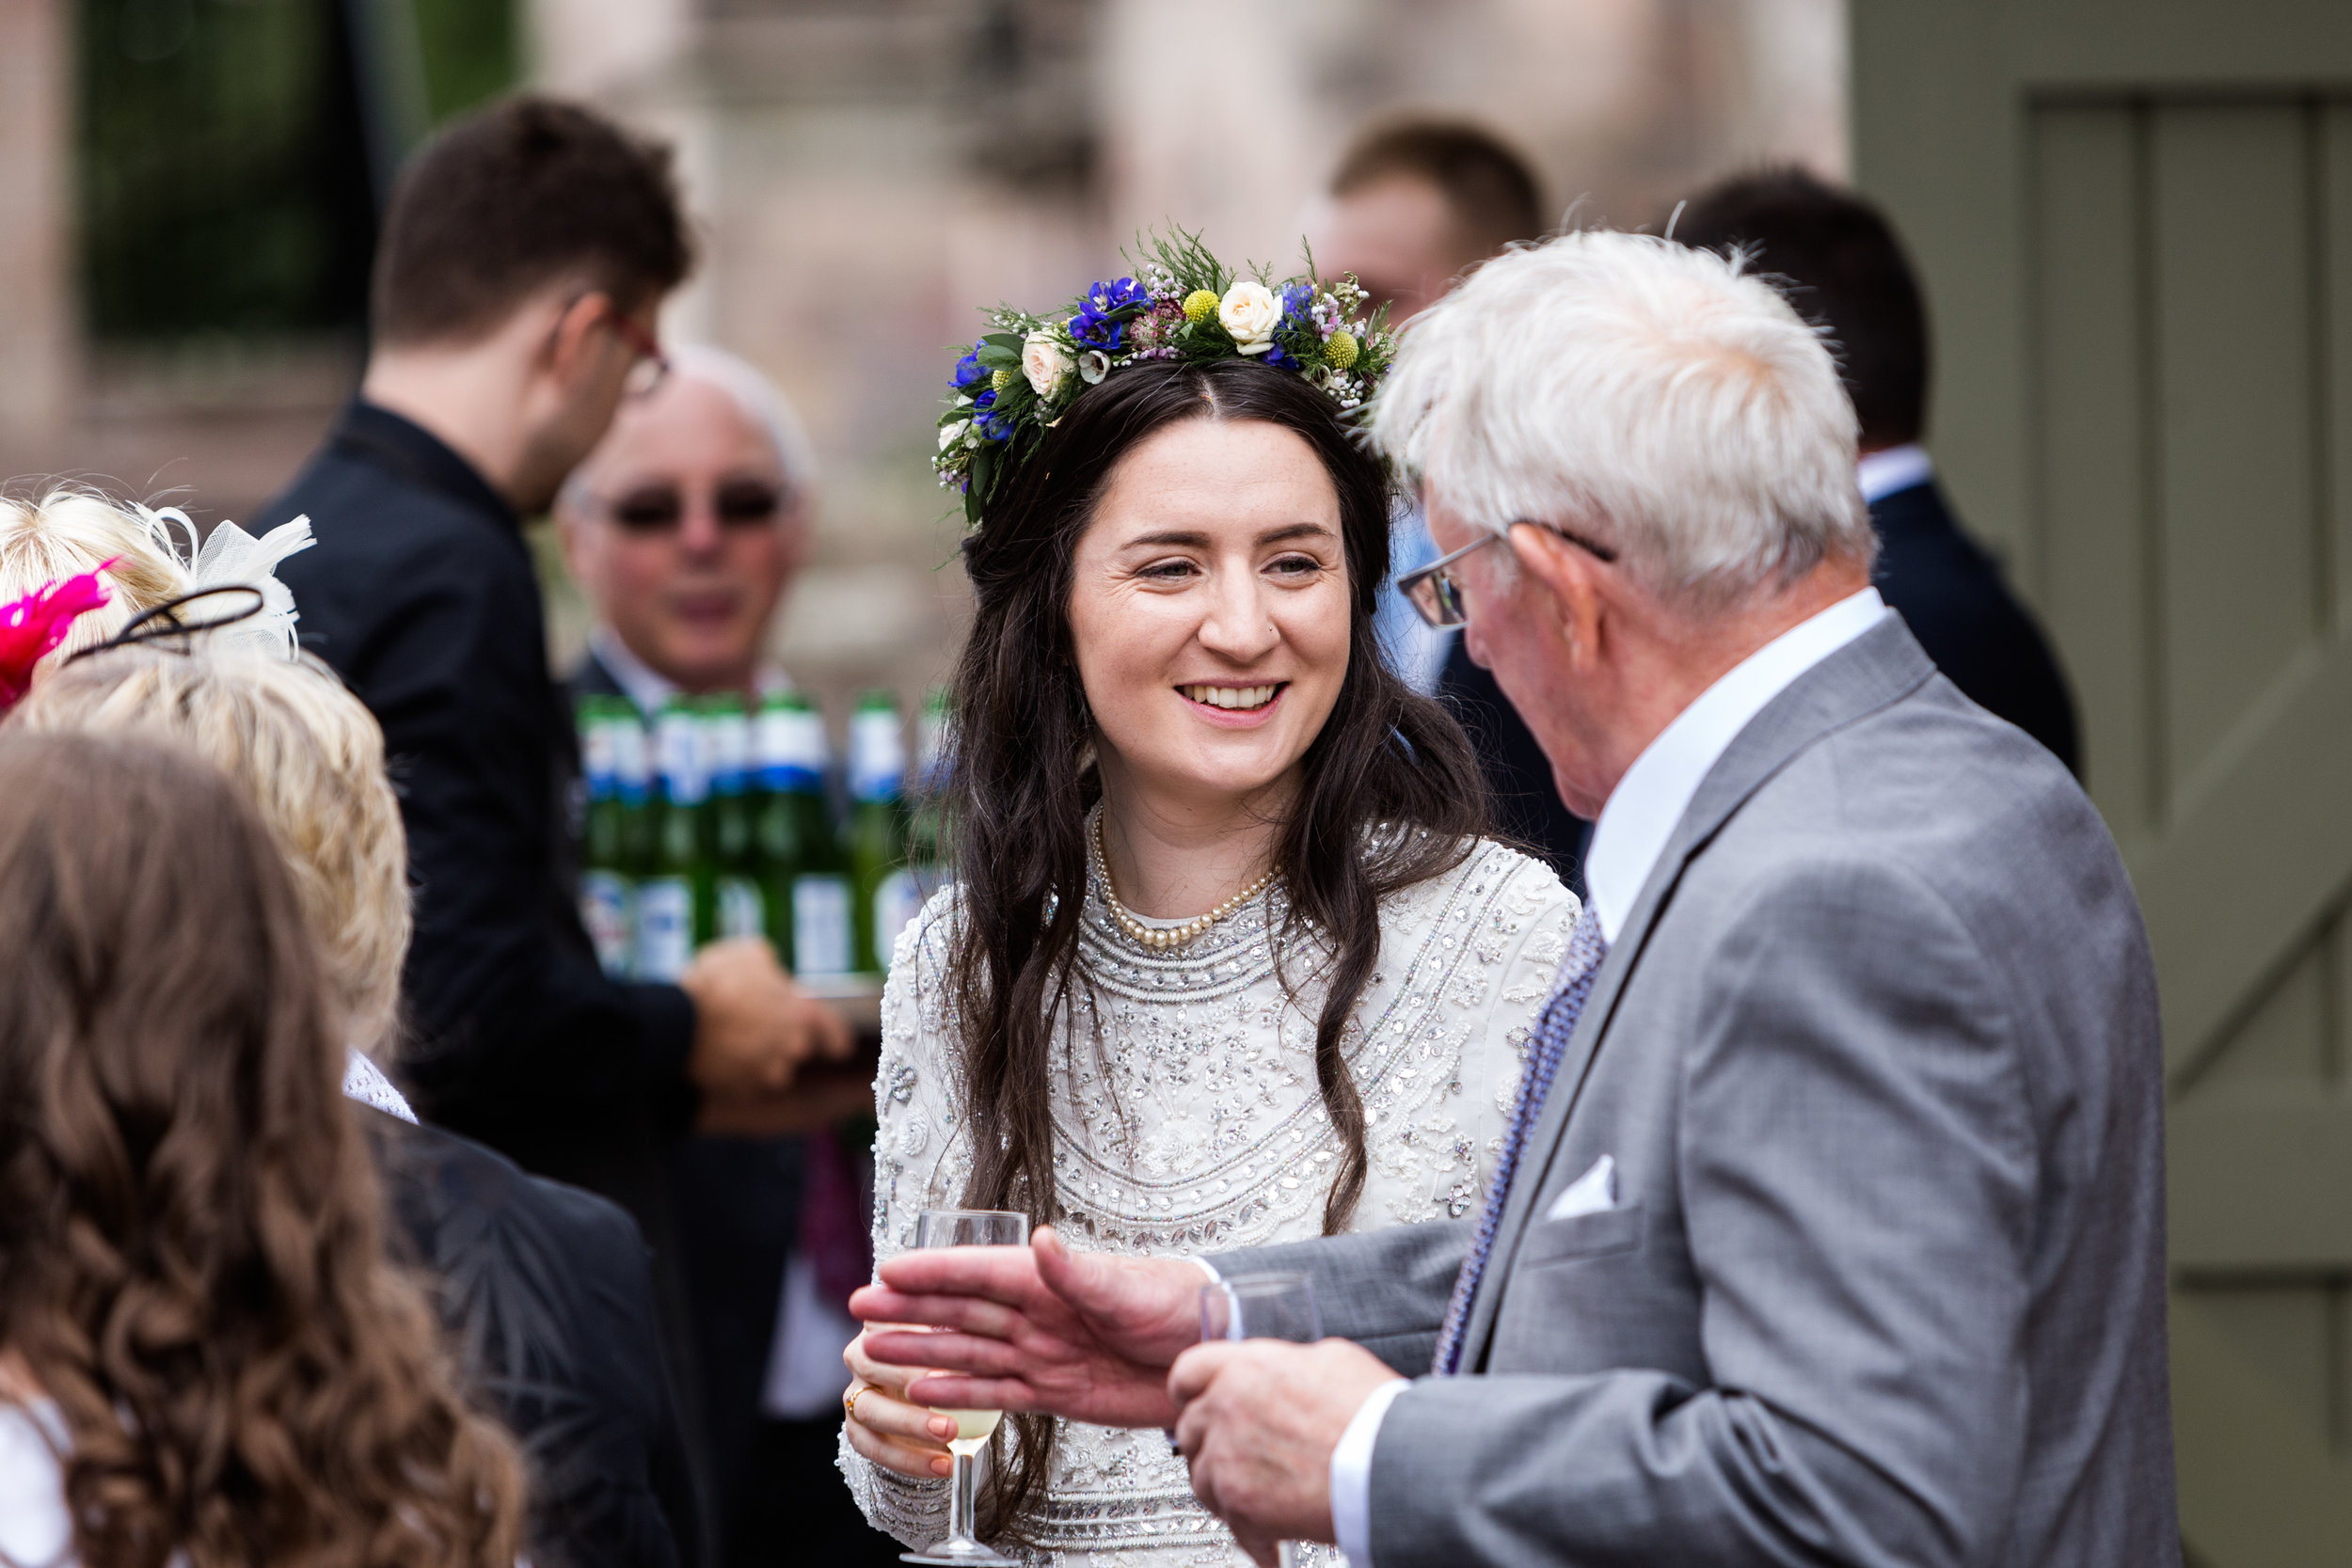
(1351, 1474)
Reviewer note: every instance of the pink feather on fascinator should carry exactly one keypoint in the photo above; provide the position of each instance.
(32, 627)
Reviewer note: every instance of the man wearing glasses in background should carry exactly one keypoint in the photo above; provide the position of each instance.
(684, 529)
(523, 262)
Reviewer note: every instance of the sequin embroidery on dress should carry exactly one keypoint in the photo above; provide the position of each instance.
(1190, 1124)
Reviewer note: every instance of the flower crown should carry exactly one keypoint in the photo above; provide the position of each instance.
(1188, 307)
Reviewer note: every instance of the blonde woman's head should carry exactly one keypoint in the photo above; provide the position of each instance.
(70, 531)
(311, 757)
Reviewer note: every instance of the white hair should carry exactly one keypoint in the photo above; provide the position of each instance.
(757, 400)
(1659, 400)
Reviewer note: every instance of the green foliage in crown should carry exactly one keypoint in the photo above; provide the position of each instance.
(1185, 306)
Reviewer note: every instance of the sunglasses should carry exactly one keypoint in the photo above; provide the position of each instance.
(1439, 598)
(661, 508)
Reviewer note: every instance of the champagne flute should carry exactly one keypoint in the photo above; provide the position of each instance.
(966, 1228)
(1263, 1306)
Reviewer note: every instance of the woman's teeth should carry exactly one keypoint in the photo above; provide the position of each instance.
(1232, 696)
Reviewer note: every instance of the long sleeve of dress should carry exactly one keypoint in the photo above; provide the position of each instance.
(920, 1161)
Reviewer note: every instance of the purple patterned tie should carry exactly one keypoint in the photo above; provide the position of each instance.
(1585, 950)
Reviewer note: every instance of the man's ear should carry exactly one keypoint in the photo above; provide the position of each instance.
(1569, 573)
(578, 334)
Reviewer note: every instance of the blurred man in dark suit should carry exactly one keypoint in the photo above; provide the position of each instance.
(525, 255)
(1413, 204)
(1846, 271)
(684, 529)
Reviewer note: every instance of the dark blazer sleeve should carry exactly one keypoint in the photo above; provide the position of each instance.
(511, 1015)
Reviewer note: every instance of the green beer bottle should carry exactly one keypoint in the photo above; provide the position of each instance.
(606, 886)
(632, 766)
(878, 829)
(804, 873)
(927, 829)
(674, 912)
(727, 738)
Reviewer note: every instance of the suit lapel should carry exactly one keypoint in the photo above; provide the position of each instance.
(1882, 666)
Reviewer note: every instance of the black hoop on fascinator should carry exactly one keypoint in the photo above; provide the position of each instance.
(163, 622)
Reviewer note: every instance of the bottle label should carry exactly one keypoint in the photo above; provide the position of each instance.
(897, 899)
(677, 738)
(598, 759)
(743, 913)
(788, 745)
(604, 909)
(820, 924)
(665, 929)
(726, 752)
(878, 754)
(630, 763)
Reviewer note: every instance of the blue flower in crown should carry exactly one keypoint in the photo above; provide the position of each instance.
(1100, 321)
(992, 423)
(970, 374)
(1298, 317)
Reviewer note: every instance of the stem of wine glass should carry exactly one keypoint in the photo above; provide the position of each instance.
(963, 1525)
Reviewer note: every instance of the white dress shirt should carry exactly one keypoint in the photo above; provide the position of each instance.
(1635, 823)
(1883, 473)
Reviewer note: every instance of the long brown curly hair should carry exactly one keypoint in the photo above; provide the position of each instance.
(189, 1258)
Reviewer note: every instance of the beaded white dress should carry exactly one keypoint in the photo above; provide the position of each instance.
(1191, 1124)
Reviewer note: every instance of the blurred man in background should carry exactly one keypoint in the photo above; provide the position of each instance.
(684, 529)
(524, 257)
(1414, 204)
(1846, 271)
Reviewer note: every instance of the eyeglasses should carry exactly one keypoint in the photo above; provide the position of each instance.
(661, 508)
(652, 366)
(1439, 598)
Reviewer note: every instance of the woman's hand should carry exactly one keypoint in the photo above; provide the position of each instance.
(887, 1428)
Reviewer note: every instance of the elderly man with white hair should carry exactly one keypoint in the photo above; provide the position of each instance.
(684, 527)
(1829, 1224)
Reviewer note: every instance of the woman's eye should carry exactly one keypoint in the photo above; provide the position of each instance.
(1296, 565)
(1167, 571)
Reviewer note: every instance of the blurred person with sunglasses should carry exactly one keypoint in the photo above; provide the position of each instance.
(684, 529)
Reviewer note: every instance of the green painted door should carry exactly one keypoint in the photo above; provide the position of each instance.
(2135, 219)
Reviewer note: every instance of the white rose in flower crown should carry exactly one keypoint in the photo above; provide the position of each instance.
(1043, 362)
(950, 434)
(1250, 313)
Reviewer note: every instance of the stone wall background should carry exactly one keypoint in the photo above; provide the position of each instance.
(866, 173)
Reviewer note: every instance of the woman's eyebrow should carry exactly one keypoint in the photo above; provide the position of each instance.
(1184, 539)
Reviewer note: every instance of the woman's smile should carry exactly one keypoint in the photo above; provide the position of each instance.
(1225, 703)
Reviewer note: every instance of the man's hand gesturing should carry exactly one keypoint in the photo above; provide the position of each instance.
(1040, 1328)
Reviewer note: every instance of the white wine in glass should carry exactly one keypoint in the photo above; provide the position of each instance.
(1263, 1306)
(967, 1228)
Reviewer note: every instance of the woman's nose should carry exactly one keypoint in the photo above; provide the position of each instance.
(1239, 624)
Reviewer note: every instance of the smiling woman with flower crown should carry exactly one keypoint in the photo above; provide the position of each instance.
(1227, 961)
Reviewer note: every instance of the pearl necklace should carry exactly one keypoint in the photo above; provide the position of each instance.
(1161, 937)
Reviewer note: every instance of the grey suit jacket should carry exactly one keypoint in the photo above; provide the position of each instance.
(1877, 1056)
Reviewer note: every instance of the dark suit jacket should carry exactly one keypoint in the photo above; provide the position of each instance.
(546, 1292)
(421, 593)
(1949, 593)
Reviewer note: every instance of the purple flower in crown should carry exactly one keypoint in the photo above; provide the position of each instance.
(1297, 319)
(971, 375)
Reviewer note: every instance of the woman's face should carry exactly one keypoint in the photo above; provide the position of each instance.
(1209, 606)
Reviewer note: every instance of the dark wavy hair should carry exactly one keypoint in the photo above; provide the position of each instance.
(189, 1256)
(1392, 793)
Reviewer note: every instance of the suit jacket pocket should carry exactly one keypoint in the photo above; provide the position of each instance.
(1593, 1235)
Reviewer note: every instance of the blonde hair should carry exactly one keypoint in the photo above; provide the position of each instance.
(311, 758)
(71, 531)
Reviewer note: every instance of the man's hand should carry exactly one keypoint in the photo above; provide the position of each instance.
(1038, 1328)
(1260, 1419)
(753, 1028)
